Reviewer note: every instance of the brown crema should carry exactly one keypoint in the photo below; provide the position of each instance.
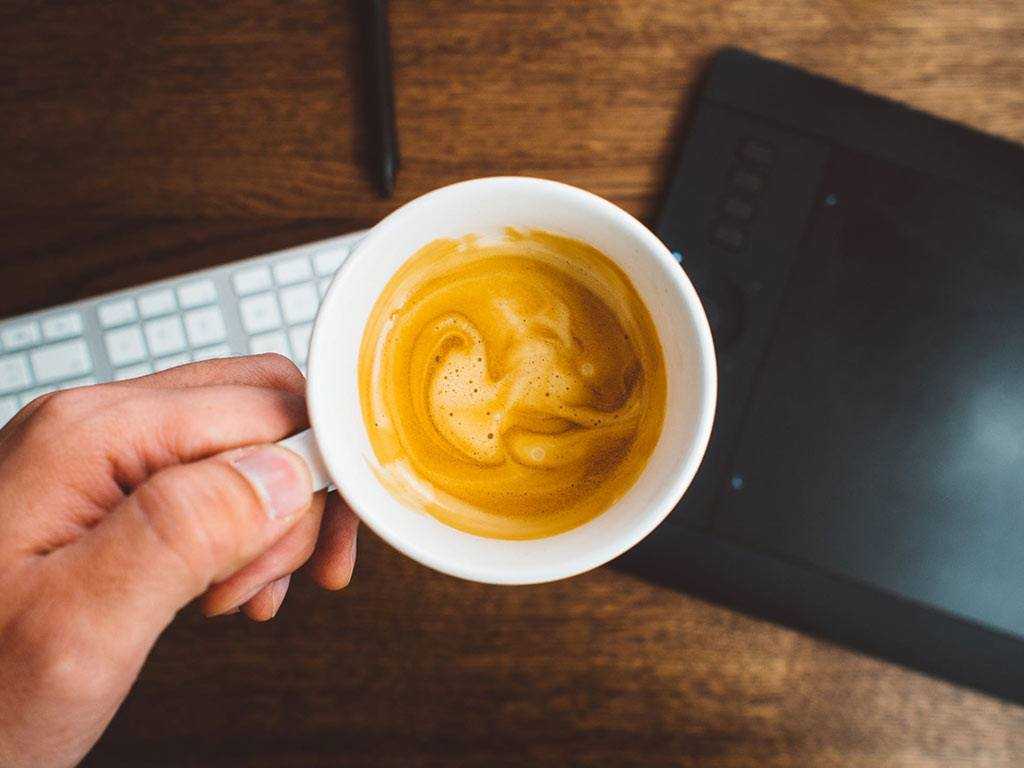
(513, 387)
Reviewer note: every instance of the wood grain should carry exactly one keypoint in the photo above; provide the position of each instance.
(141, 139)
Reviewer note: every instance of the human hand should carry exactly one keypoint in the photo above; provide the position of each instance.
(121, 503)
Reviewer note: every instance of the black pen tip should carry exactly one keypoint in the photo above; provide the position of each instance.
(387, 179)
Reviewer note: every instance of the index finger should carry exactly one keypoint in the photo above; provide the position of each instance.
(269, 370)
(109, 446)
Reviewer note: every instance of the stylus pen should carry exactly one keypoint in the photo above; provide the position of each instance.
(382, 97)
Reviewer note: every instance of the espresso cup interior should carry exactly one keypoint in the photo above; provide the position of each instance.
(484, 206)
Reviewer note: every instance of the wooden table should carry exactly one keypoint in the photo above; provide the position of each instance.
(141, 139)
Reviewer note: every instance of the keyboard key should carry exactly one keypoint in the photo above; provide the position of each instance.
(252, 280)
(300, 341)
(62, 326)
(157, 303)
(299, 303)
(327, 262)
(165, 336)
(172, 362)
(27, 397)
(117, 313)
(197, 293)
(209, 353)
(85, 381)
(8, 407)
(205, 326)
(133, 371)
(21, 335)
(260, 313)
(294, 270)
(269, 342)
(61, 361)
(125, 346)
(14, 374)
(323, 285)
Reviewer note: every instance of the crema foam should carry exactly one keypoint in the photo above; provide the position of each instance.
(512, 387)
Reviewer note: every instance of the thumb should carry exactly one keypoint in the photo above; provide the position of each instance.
(187, 527)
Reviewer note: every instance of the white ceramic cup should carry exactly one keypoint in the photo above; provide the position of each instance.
(338, 448)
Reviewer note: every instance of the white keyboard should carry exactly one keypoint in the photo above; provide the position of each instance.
(263, 304)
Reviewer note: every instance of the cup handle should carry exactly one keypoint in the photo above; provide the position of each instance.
(304, 444)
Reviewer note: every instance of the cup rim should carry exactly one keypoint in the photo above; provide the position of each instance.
(683, 289)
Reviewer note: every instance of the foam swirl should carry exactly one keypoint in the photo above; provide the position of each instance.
(512, 387)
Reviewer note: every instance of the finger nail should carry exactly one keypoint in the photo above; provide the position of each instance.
(352, 552)
(228, 612)
(238, 602)
(277, 593)
(351, 565)
(277, 477)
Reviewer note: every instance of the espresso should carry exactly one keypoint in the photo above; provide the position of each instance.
(513, 386)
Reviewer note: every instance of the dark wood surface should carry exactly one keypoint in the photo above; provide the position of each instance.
(139, 139)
